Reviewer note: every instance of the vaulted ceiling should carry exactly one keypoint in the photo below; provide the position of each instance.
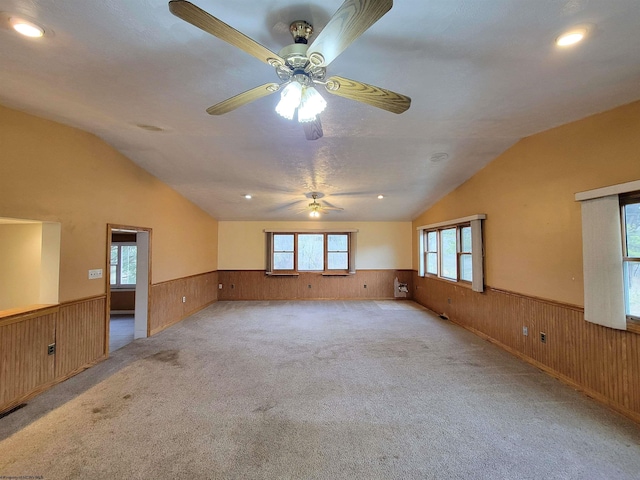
(481, 75)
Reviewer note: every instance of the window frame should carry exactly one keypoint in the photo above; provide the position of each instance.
(475, 222)
(118, 285)
(631, 198)
(325, 256)
(439, 251)
(428, 252)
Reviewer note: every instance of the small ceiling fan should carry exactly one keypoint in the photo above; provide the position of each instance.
(299, 66)
(315, 208)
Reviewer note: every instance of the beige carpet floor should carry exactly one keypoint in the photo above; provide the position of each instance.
(316, 390)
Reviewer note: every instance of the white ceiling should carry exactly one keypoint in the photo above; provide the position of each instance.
(481, 75)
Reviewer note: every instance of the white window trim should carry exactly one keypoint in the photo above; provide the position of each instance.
(603, 263)
(477, 283)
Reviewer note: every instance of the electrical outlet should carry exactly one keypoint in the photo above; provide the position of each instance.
(184, 299)
(233, 286)
(449, 301)
(95, 273)
(51, 349)
(219, 286)
(308, 286)
(543, 337)
(525, 331)
(365, 285)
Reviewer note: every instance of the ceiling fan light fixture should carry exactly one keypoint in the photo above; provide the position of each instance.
(289, 100)
(311, 105)
(314, 214)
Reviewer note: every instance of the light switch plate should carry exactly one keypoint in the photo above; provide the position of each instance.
(95, 273)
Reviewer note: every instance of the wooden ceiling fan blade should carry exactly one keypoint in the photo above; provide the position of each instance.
(243, 98)
(375, 96)
(197, 17)
(350, 21)
(313, 130)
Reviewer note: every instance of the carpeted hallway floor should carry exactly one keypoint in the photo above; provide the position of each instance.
(316, 390)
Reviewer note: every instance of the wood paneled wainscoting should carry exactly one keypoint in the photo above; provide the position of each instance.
(26, 367)
(256, 285)
(167, 306)
(602, 362)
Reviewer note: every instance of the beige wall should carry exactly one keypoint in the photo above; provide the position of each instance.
(380, 245)
(20, 259)
(533, 227)
(52, 172)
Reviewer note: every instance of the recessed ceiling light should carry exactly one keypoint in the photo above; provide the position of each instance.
(26, 28)
(571, 37)
(248, 196)
(380, 197)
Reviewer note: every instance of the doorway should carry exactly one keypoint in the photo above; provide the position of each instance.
(128, 254)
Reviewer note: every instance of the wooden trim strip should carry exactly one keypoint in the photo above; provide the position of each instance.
(606, 191)
(82, 300)
(29, 314)
(188, 276)
(548, 301)
(455, 221)
(555, 303)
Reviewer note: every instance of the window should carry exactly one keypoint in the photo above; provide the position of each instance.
(455, 257)
(610, 254)
(432, 253)
(453, 250)
(464, 254)
(123, 264)
(325, 252)
(631, 254)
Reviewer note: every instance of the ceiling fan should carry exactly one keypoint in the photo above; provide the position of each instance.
(299, 66)
(315, 207)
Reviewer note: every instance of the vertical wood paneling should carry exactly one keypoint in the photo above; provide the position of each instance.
(255, 285)
(80, 335)
(24, 362)
(603, 362)
(167, 306)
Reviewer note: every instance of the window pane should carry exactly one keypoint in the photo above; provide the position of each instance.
(114, 254)
(632, 287)
(632, 228)
(465, 237)
(432, 241)
(113, 275)
(337, 261)
(449, 253)
(337, 243)
(283, 243)
(311, 252)
(432, 263)
(466, 272)
(283, 261)
(128, 257)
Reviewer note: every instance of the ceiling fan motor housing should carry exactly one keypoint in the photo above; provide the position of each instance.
(297, 62)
